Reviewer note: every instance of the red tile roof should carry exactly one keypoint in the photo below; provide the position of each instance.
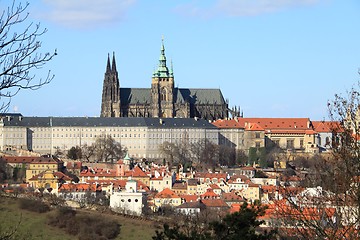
(215, 203)
(326, 126)
(58, 175)
(209, 194)
(26, 159)
(136, 172)
(118, 183)
(98, 172)
(166, 193)
(254, 127)
(79, 187)
(231, 197)
(227, 123)
(190, 198)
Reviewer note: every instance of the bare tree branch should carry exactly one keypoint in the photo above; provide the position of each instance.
(20, 53)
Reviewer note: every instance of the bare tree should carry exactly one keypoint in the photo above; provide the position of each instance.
(329, 206)
(169, 150)
(87, 151)
(19, 53)
(205, 153)
(107, 149)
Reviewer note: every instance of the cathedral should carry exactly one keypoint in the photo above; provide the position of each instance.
(162, 100)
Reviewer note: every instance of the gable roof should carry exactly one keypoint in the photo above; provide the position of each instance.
(79, 187)
(215, 203)
(166, 193)
(181, 95)
(197, 204)
(230, 196)
(136, 172)
(228, 123)
(57, 175)
(326, 126)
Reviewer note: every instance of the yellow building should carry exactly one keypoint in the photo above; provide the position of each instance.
(49, 179)
(166, 198)
(41, 164)
(252, 192)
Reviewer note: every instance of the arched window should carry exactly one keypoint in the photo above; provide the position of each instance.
(163, 94)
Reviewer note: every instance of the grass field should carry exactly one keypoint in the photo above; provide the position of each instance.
(34, 225)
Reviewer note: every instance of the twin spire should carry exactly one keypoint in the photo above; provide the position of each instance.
(112, 67)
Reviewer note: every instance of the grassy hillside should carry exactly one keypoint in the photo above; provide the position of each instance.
(34, 225)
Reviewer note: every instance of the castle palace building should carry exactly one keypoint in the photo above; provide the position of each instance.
(162, 100)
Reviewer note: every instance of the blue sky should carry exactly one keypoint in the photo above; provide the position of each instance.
(273, 58)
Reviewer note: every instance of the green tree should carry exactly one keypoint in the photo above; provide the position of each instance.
(19, 52)
(241, 225)
(4, 173)
(74, 153)
(252, 155)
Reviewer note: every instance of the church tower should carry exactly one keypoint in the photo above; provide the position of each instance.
(162, 89)
(110, 105)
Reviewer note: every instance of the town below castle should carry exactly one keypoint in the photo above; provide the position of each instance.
(160, 150)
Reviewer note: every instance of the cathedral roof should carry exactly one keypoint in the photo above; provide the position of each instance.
(181, 95)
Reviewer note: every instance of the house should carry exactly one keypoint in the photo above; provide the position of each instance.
(138, 174)
(192, 186)
(41, 164)
(73, 167)
(191, 208)
(239, 134)
(215, 204)
(210, 194)
(325, 131)
(231, 198)
(290, 134)
(130, 200)
(216, 189)
(248, 171)
(214, 178)
(166, 197)
(78, 191)
(97, 174)
(271, 180)
(159, 183)
(252, 192)
(49, 179)
(111, 186)
(180, 187)
(238, 182)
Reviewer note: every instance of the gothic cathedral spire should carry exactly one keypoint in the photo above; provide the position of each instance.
(110, 105)
(162, 89)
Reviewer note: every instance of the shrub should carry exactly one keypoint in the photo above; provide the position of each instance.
(85, 226)
(34, 205)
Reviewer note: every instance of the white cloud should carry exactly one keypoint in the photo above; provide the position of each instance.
(258, 7)
(242, 7)
(85, 13)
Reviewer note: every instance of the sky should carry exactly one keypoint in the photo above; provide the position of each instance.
(273, 58)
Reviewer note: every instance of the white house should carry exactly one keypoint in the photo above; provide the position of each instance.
(129, 201)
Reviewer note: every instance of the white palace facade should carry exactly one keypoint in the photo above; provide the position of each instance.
(141, 136)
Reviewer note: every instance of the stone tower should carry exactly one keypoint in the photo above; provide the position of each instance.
(162, 89)
(111, 105)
